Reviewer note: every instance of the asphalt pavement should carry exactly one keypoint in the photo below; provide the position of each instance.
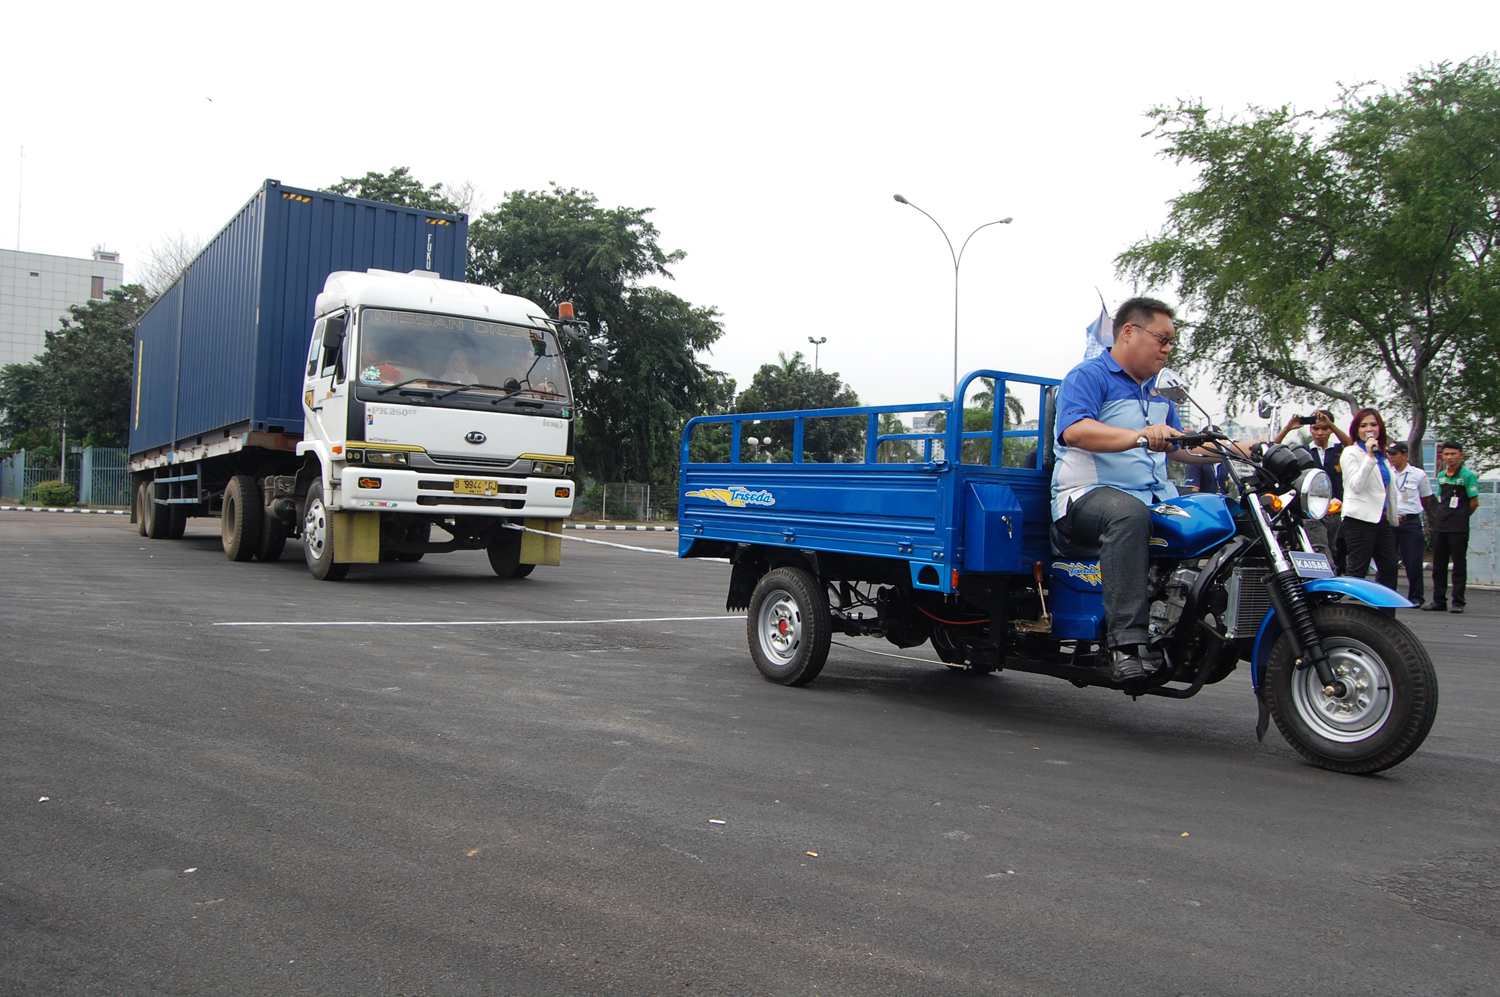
(230, 778)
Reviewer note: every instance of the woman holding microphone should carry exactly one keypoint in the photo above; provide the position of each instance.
(1369, 499)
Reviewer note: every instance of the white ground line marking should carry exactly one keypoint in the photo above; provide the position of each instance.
(471, 623)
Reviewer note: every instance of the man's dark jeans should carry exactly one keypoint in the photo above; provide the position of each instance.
(1411, 545)
(1120, 526)
(1445, 547)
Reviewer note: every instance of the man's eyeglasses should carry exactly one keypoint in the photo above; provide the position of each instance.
(1167, 342)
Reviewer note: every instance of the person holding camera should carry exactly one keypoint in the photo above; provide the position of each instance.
(1369, 499)
(1324, 533)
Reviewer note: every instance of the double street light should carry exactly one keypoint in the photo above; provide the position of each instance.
(957, 259)
(816, 343)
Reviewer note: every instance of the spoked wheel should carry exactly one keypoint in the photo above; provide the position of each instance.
(1384, 699)
(317, 538)
(789, 626)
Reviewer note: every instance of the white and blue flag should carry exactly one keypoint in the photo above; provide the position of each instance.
(1100, 335)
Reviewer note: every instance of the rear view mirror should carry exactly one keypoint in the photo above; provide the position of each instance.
(1265, 406)
(1170, 385)
(601, 363)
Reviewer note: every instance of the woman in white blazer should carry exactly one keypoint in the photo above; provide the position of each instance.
(1369, 510)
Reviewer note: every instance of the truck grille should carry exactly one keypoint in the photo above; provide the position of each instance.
(478, 463)
(490, 503)
(1249, 602)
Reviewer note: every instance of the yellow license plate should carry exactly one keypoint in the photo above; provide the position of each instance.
(475, 486)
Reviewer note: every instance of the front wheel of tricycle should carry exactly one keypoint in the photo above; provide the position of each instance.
(1385, 696)
(788, 626)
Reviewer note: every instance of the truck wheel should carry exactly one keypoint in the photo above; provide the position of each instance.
(176, 521)
(522, 570)
(788, 626)
(156, 520)
(505, 554)
(1386, 703)
(142, 496)
(317, 538)
(241, 520)
(272, 540)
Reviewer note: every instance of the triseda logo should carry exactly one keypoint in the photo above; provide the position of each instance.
(736, 496)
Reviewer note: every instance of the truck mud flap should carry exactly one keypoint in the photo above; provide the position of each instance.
(356, 538)
(539, 549)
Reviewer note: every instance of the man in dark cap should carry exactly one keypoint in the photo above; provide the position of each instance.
(1457, 490)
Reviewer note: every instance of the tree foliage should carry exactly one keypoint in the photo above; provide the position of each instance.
(560, 245)
(83, 375)
(791, 385)
(398, 187)
(1348, 254)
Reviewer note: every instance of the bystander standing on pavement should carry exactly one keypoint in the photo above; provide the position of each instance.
(1457, 490)
(1413, 494)
(1324, 533)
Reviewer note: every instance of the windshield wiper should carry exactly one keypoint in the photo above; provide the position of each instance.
(470, 387)
(414, 380)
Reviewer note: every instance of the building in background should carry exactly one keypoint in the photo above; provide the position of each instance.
(36, 291)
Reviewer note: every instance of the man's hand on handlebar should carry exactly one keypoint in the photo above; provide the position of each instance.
(1160, 437)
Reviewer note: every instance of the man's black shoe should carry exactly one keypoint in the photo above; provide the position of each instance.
(1435, 607)
(1123, 666)
(1456, 609)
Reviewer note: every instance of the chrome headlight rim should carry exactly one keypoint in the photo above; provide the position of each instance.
(1314, 493)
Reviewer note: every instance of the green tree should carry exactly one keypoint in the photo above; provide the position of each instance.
(1348, 254)
(561, 245)
(82, 376)
(792, 385)
(397, 187)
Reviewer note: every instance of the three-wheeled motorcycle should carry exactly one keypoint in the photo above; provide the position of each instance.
(944, 535)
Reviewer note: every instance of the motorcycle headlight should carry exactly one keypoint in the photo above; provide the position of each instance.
(1314, 493)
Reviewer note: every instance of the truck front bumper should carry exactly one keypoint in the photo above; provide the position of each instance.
(365, 489)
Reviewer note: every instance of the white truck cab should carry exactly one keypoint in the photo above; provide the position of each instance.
(431, 402)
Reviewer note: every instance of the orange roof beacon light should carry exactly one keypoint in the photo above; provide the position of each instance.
(565, 309)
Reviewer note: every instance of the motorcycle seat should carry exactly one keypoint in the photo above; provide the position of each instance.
(1071, 551)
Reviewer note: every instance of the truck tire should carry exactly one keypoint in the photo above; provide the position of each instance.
(505, 554)
(156, 519)
(242, 518)
(317, 538)
(176, 521)
(272, 540)
(788, 626)
(140, 508)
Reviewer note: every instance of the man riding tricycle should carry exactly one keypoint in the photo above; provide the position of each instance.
(1087, 566)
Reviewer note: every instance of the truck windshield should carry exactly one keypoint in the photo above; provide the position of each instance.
(398, 347)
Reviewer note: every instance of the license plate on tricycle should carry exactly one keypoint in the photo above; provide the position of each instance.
(1310, 565)
(475, 486)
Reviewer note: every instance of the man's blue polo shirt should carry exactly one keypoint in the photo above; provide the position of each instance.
(1100, 389)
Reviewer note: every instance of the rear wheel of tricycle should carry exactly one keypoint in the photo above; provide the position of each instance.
(1385, 697)
(789, 626)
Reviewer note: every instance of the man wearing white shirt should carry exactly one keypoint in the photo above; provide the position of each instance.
(1413, 493)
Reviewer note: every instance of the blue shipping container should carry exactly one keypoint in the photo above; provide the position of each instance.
(223, 350)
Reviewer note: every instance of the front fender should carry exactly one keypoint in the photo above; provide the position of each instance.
(1359, 589)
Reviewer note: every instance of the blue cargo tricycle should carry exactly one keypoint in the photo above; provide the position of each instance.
(943, 534)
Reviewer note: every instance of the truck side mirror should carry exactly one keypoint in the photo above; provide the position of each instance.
(333, 345)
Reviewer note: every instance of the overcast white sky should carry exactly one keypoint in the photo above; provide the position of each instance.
(768, 137)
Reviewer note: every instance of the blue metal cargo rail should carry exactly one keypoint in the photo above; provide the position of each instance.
(943, 516)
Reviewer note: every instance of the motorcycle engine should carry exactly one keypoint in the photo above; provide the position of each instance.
(1170, 586)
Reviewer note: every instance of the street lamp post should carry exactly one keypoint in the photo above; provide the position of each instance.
(957, 259)
(816, 343)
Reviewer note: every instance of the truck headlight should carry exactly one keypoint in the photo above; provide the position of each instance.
(1314, 493)
(384, 457)
(549, 468)
(354, 456)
